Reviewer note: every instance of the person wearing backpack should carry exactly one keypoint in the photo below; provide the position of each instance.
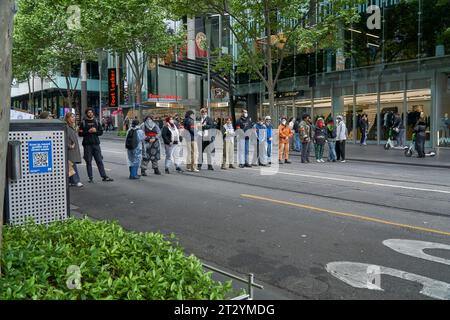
(90, 129)
(135, 137)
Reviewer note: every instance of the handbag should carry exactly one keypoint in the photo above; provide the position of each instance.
(71, 169)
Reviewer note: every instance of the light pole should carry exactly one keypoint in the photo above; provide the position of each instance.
(208, 57)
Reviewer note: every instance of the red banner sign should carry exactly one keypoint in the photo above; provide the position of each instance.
(112, 88)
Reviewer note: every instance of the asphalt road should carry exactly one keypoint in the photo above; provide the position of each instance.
(295, 227)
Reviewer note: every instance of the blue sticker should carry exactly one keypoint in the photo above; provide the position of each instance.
(40, 156)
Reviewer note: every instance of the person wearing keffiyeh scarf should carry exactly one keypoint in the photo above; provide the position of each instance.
(151, 149)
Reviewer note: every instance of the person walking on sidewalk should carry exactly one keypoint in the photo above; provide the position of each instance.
(73, 149)
(364, 126)
(305, 136)
(284, 133)
(320, 136)
(331, 140)
(207, 139)
(420, 131)
(341, 138)
(135, 137)
(269, 134)
(228, 134)
(90, 129)
(152, 146)
(244, 123)
(172, 139)
(398, 129)
(189, 127)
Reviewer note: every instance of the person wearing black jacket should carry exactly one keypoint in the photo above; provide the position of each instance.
(207, 135)
(189, 127)
(364, 126)
(172, 139)
(244, 123)
(90, 129)
(420, 131)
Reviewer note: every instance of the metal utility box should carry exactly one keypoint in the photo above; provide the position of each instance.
(37, 171)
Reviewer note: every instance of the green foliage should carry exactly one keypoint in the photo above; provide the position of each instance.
(122, 133)
(114, 264)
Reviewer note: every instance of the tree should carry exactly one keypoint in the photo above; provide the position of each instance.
(267, 31)
(6, 23)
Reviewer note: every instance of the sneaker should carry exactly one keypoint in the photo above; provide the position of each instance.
(210, 167)
(157, 172)
(78, 185)
(321, 160)
(318, 160)
(179, 170)
(248, 165)
(107, 179)
(343, 161)
(167, 171)
(241, 166)
(91, 180)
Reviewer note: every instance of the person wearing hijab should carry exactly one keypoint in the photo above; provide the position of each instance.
(152, 148)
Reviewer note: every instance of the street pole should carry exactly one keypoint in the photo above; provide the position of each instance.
(100, 60)
(83, 86)
(208, 102)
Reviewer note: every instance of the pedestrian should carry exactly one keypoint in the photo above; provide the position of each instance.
(152, 146)
(229, 134)
(331, 140)
(364, 126)
(269, 135)
(297, 142)
(284, 133)
(305, 136)
(341, 138)
(399, 130)
(127, 123)
(189, 125)
(207, 139)
(73, 150)
(244, 123)
(172, 140)
(90, 129)
(320, 137)
(420, 131)
(261, 137)
(134, 152)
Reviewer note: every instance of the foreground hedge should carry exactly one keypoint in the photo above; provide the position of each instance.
(114, 264)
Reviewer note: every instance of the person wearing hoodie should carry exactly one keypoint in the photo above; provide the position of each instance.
(420, 131)
(320, 136)
(152, 146)
(305, 136)
(192, 151)
(284, 134)
(172, 139)
(341, 138)
(331, 140)
(244, 123)
(269, 135)
(135, 155)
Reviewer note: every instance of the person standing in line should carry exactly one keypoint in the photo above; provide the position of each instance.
(320, 136)
(364, 125)
(244, 123)
(269, 134)
(284, 133)
(331, 140)
(207, 138)
(341, 138)
(228, 140)
(90, 129)
(135, 154)
(420, 131)
(189, 126)
(73, 149)
(172, 139)
(261, 137)
(152, 146)
(305, 136)
(297, 142)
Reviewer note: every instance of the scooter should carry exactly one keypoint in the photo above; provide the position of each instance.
(412, 148)
(390, 144)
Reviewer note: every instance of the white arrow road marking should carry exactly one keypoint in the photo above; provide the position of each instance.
(415, 249)
(356, 275)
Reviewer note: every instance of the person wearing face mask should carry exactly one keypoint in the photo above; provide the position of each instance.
(284, 133)
(269, 135)
(244, 123)
(192, 151)
(320, 136)
(341, 137)
(261, 136)
(172, 139)
(228, 141)
(152, 146)
(305, 136)
(207, 138)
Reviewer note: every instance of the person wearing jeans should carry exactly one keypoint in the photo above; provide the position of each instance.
(297, 142)
(306, 136)
(244, 123)
(341, 138)
(331, 140)
(269, 135)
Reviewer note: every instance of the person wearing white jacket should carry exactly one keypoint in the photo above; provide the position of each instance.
(341, 138)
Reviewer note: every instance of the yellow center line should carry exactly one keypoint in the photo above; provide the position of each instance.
(345, 214)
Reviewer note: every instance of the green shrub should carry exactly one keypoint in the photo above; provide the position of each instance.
(114, 264)
(121, 133)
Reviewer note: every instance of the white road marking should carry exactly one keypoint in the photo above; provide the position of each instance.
(415, 249)
(357, 181)
(357, 275)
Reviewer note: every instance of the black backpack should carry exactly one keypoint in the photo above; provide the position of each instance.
(132, 140)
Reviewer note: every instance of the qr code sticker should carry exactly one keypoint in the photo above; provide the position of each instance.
(40, 159)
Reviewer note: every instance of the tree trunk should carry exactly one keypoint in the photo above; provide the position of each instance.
(6, 22)
(138, 91)
(270, 79)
